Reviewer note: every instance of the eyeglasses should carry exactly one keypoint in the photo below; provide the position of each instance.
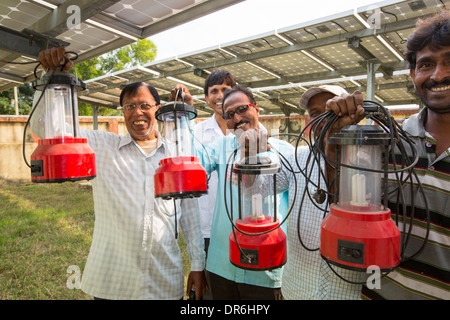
(131, 107)
(239, 110)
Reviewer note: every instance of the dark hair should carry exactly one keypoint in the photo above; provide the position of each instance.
(132, 88)
(219, 77)
(238, 88)
(433, 32)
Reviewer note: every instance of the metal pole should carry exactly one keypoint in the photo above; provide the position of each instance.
(16, 101)
(371, 71)
(95, 117)
(73, 92)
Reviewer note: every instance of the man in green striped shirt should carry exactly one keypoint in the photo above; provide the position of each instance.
(426, 275)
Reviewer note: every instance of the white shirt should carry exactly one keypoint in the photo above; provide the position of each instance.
(205, 132)
(134, 252)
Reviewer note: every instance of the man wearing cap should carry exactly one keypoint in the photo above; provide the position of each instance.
(306, 275)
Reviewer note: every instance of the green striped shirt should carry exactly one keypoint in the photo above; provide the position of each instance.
(426, 276)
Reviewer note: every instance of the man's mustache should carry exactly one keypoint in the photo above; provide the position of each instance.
(432, 83)
(239, 123)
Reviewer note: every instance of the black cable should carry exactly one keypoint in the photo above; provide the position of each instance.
(404, 174)
(176, 222)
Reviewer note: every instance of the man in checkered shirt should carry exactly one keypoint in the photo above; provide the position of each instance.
(134, 252)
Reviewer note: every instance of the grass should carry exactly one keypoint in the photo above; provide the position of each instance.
(45, 229)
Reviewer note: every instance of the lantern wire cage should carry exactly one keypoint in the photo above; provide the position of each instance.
(228, 184)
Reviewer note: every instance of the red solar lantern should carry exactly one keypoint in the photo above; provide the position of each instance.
(257, 242)
(358, 232)
(180, 174)
(61, 155)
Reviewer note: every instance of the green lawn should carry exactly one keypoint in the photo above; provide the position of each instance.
(45, 229)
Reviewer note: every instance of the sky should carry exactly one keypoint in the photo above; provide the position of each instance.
(245, 19)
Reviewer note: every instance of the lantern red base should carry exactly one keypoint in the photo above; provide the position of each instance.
(180, 177)
(62, 159)
(257, 252)
(357, 240)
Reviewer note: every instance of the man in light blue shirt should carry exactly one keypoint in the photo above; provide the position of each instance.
(226, 280)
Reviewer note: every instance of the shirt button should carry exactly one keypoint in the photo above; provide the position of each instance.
(431, 168)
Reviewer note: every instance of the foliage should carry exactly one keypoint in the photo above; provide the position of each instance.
(25, 95)
(138, 53)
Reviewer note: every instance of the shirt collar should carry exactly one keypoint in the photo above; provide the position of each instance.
(211, 123)
(127, 139)
(414, 125)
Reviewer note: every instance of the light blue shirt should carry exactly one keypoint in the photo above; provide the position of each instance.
(214, 157)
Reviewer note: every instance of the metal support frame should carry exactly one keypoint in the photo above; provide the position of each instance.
(95, 117)
(372, 67)
(27, 42)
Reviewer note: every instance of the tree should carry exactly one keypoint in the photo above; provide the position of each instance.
(138, 53)
(25, 95)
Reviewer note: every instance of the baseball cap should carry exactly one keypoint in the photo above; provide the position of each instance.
(311, 92)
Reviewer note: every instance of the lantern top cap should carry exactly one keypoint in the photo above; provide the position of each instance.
(58, 77)
(361, 135)
(256, 165)
(176, 106)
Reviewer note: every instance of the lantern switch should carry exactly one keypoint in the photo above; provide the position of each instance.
(350, 251)
(249, 256)
(37, 169)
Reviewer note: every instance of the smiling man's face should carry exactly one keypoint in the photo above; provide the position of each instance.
(140, 124)
(215, 95)
(431, 78)
(244, 113)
